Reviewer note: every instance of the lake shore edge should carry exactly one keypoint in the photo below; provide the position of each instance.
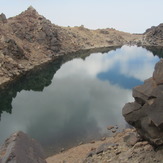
(36, 41)
(65, 56)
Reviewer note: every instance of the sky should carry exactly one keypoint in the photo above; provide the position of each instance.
(124, 15)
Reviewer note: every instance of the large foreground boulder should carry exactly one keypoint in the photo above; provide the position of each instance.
(20, 148)
(146, 113)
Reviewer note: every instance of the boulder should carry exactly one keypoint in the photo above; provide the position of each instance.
(131, 139)
(3, 18)
(158, 73)
(20, 148)
(142, 93)
(146, 113)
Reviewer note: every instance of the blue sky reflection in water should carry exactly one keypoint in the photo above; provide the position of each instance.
(84, 98)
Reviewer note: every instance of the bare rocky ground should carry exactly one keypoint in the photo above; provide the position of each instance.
(124, 147)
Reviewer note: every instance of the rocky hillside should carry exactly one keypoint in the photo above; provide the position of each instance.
(154, 36)
(29, 39)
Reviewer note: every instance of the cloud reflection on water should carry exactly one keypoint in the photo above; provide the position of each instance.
(78, 104)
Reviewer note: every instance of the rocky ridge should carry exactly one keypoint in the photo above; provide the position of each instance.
(153, 36)
(29, 39)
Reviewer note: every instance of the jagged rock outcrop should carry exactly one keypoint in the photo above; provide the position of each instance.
(154, 36)
(3, 18)
(146, 113)
(20, 148)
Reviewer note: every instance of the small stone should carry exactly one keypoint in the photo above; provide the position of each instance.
(90, 154)
(113, 131)
(115, 148)
(103, 147)
(104, 138)
(118, 152)
(81, 143)
(110, 127)
(116, 127)
(62, 150)
(109, 160)
(93, 149)
(92, 142)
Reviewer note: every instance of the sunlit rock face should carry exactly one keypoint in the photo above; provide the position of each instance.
(146, 113)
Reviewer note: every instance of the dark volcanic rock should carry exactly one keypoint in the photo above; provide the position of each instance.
(20, 148)
(146, 113)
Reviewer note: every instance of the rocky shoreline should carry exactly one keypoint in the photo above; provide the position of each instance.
(124, 147)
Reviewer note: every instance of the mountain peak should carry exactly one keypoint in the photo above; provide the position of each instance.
(30, 12)
(31, 8)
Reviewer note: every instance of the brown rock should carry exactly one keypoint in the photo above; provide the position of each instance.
(142, 93)
(103, 147)
(146, 113)
(62, 150)
(3, 18)
(104, 138)
(20, 148)
(158, 72)
(113, 131)
(130, 107)
(110, 127)
(131, 139)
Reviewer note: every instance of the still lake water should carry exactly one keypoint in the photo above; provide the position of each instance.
(64, 104)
